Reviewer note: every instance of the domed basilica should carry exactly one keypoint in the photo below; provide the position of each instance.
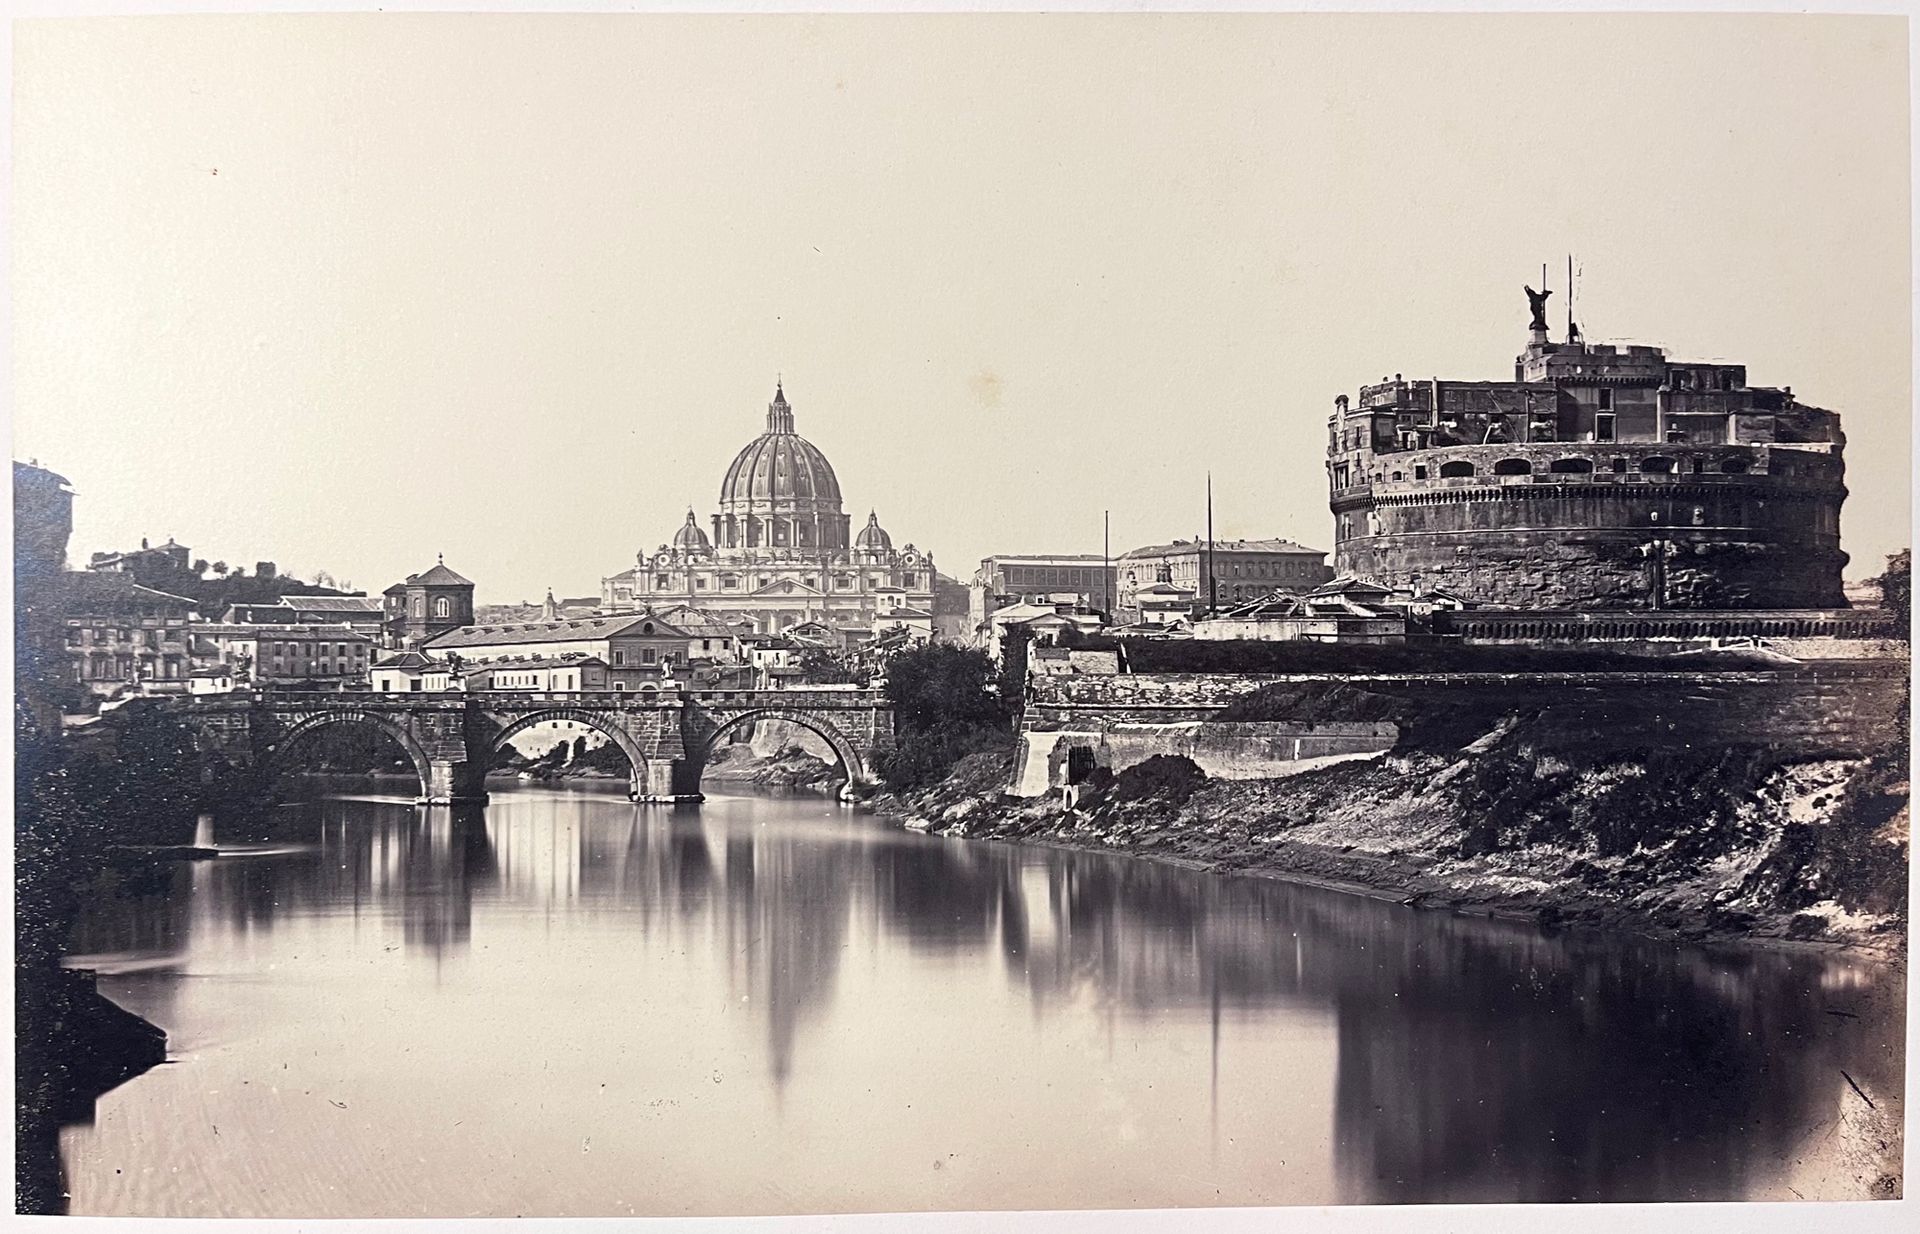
(780, 552)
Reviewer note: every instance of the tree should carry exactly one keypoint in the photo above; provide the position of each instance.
(220, 568)
(1896, 588)
(265, 569)
(821, 667)
(200, 565)
(323, 579)
(945, 707)
(579, 749)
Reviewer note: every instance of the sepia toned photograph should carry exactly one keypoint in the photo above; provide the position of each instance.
(743, 615)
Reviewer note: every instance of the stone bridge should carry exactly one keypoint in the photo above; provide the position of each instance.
(453, 737)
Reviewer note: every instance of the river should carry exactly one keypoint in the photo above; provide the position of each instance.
(567, 1004)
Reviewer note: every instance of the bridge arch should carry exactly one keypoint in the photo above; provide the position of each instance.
(826, 730)
(597, 721)
(299, 729)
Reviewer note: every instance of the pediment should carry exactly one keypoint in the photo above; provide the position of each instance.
(784, 587)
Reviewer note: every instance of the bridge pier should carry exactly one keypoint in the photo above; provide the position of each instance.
(455, 782)
(664, 780)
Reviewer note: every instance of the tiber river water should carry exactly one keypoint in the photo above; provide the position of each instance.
(567, 1004)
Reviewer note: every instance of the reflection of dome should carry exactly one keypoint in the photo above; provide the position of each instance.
(690, 539)
(873, 536)
(780, 471)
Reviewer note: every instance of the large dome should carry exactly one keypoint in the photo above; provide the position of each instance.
(780, 470)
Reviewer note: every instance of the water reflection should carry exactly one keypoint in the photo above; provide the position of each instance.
(1163, 1036)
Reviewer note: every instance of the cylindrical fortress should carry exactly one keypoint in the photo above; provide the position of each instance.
(1603, 478)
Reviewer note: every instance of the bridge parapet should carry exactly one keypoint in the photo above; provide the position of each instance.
(454, 736)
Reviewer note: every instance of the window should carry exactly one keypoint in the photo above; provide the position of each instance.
(1656, 465)
(1619, 466)
(1699, 465)
(1513, 467)
(1606, 400)
(701, 582)
(419, 606)
(1419, 472)
(619, 656)
(659, 580)
(1603, 424)
(442, 607)
(646, 655)
(729, 582)
(1578, 466)
(1455, 470)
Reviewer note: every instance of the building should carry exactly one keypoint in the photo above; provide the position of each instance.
(709, 637)
(549, 610)
(1240, 570)
(781, 551)
(410, 672)
(1161, 604)
(427, 605)
(212, 679)
(167, 559)
(571, 672)
(1003, 579)
(310, 655)
(1045, 623)
(365, 614)
(42, 521)
(120, 634)
(1347, 610)
(637, 649)
(1601, 476)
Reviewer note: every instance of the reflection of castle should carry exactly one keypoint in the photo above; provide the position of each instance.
(781, 550)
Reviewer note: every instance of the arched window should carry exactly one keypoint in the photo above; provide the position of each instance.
(1734, 466)
(1571, 466)
(442, 607)
(1455, 470)
(1513, 467)
(419, 606)
(1657, 465)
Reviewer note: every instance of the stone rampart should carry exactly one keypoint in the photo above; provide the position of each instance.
(1247, 750)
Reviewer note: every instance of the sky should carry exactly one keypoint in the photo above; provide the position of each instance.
(346, 292)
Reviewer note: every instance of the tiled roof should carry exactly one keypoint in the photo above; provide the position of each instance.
(1221, 548)
(566, 630)
(518, 663)
(249, 629)
(409, 660)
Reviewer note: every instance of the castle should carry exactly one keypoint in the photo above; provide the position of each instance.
(1599, 477)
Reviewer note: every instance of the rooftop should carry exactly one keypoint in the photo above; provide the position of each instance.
(573, 630)
(1221, 547)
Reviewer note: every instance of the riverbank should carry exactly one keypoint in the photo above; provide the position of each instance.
(1709, 843)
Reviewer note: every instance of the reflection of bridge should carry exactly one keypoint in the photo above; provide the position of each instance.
(454, 737)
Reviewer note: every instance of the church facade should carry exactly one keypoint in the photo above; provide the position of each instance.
(781, 550)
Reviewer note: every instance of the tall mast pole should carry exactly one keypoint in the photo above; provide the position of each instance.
(1569, 297)
(1106, 563)
(1210, 583)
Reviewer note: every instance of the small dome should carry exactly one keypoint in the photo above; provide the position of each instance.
(873, 537)
(690, 539)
